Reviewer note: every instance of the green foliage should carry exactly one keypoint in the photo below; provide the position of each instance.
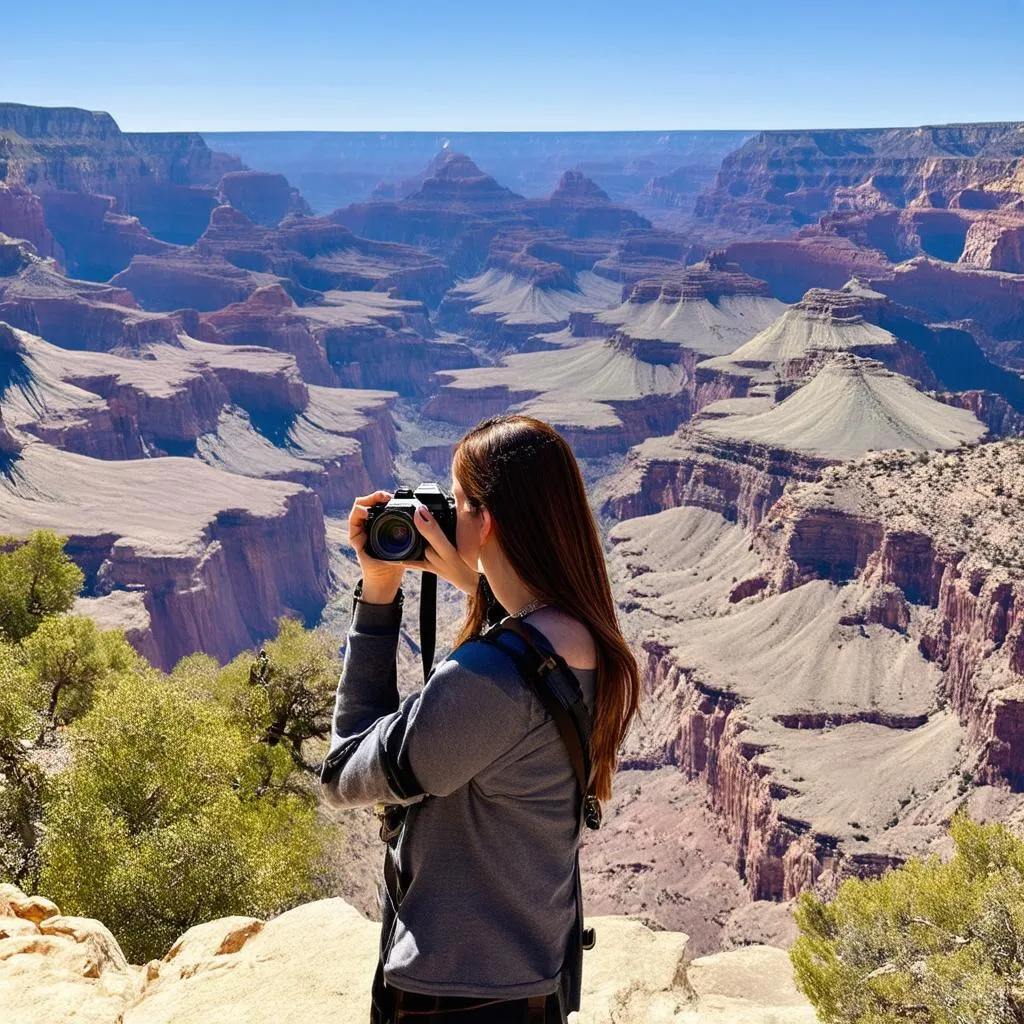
(157, 826)
(181, 803)
(21, 782)
(36, 579)
(935, 942)
(67, 657)
(286, 694)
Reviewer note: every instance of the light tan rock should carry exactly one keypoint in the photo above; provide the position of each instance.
(102, 948)
(317, 961)
(633, 975)
(8, 895)
(225, 935)
(751, 985)
(13, 926)
(43, 983)
(33, 908)
(313, 962)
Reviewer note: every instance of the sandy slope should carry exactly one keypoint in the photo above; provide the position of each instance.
(852, 406)
(573, 386)
(698, 324)
(515, 300)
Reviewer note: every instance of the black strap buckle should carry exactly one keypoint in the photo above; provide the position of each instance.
(589, 938)
(392, 817)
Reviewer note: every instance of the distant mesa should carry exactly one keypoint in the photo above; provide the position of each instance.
(160, 189)
(264, 198)
(575, 186)
(779, 181)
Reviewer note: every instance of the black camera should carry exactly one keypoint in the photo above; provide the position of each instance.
(391, 533)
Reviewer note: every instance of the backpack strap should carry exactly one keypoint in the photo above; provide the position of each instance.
(539, 664)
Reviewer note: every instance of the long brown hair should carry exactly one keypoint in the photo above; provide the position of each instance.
(524, 471)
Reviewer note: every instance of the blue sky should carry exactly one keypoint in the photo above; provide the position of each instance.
(433, 65)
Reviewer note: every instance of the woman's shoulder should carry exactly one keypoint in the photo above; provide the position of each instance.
(568, 636)
(478, 657)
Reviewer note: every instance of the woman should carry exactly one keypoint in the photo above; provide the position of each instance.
(488, 856)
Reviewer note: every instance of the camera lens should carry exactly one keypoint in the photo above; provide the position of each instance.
(394, 535)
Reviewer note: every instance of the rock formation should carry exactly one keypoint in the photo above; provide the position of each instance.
(505, 310)
(599, 397)
(264, 198)
(165, 180)
(814, 656)
(218, 556)
(874, 614)
(778, 181)
(354, 339)
(242, 408)
(458, 210)
(648, 255)
(710, 308)
(22, 216)
(37, 298)
(96, 241)
(262, 971)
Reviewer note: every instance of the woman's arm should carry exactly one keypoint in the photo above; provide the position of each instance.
(473, 710)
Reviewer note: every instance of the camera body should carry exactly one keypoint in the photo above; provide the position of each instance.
(391, 533)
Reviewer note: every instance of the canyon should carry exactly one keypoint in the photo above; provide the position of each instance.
(789, 364)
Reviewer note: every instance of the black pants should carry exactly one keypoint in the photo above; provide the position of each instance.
(450, 1009)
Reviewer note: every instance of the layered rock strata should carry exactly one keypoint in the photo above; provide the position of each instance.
(938, 531)
(354, 339)
(242, 408)
(864, 323)
(219, 557)
(709, 309)
(320, 254)
(166, 180)
(264, 198)
(36, 297)
(600, 397)
(778, 181)
(505, 311)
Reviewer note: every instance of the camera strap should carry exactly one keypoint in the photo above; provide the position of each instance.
(428, 621)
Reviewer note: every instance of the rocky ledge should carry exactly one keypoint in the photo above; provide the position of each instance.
(260, 971)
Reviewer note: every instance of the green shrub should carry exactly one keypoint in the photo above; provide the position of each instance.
(157, 825)
(21, 782)
(287, 693)
(67, 658)
(36, 579)
(929, 941)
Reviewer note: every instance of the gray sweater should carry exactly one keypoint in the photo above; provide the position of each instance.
(488, 854)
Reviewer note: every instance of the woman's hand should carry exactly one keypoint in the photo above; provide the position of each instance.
(441, 557)
(381, 578)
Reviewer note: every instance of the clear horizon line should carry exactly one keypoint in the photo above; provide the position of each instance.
(575, 131)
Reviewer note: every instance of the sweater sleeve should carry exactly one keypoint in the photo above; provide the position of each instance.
(471, 711)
